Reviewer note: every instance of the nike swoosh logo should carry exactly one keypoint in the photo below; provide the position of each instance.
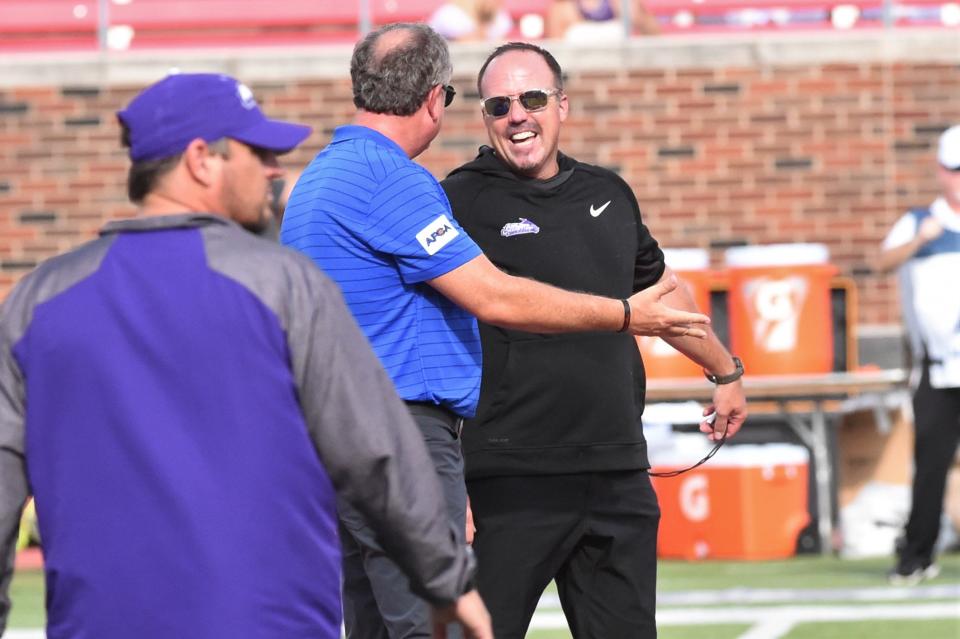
(596, 212)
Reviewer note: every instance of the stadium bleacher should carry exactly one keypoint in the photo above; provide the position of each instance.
(50, 25)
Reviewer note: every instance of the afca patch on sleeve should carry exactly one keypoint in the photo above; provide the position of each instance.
(437, 234)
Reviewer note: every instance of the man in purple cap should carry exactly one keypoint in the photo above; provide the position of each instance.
(186, 401)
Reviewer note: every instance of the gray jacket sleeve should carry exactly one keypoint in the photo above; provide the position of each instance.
(13, 479)
(49, 279)
(371, 447)
(362, 431)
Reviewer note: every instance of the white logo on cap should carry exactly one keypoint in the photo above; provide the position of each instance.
(246, 96)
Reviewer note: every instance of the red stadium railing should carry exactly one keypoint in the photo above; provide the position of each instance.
(78, 24)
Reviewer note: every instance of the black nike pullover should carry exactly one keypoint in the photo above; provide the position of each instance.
(568, 403)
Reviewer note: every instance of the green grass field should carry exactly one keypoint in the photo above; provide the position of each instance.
(756, 591)
(805, 587)
(805, 571)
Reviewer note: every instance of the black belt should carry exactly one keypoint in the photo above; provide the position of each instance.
(453, 421)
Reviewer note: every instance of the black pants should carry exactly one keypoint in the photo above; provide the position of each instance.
(594, 533)
(377, 601)
(936, 435)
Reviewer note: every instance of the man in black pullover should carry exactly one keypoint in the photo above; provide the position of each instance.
(556, 461)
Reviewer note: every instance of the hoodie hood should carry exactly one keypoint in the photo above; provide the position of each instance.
(490, 164)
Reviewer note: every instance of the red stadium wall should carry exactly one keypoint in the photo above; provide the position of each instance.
(813, 138)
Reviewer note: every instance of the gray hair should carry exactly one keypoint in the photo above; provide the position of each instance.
(397, 80)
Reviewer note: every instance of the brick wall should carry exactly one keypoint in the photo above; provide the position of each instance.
(725, 141)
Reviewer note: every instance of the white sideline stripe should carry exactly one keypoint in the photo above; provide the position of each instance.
(759, 596)
(796, 614)
(20, 633)
(756, 596)
(808, 614)
(769, 629)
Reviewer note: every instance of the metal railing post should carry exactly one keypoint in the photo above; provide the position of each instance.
(887, 14)
(626, 19)
(364, 21)
(103, 23)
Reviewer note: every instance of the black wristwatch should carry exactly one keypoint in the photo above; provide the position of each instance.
(727, 379)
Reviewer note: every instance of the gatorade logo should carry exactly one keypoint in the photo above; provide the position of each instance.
(695, 498)
(774, 306)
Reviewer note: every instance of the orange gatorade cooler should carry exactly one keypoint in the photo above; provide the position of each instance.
(659, 358)
(779, 308)
(748, 502)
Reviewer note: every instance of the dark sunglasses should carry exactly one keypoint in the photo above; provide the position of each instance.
(532, 100)
(449, 92)
(266, 156)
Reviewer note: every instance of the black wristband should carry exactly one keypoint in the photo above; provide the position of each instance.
(626, 316)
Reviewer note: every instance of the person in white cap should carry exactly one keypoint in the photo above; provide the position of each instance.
(925, 245)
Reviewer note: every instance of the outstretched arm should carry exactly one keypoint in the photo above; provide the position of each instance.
(497, 298)
(469, 612)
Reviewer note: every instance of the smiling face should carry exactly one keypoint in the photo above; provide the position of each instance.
(526, 141)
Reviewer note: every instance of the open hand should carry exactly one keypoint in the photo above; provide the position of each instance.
(726, 414)
(930, 229)
(650, 316)
(470, 612)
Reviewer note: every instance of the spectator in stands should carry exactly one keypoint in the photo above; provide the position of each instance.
(380, 225)
(925, 245)
(464, 20)
(183, 399)
(597, 20)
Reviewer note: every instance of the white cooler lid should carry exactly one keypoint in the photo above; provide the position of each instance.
(687, 259)
(776, 255)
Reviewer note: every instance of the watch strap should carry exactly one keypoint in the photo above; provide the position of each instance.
(727, 379)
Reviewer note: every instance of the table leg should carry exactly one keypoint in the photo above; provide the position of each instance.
(814, 436)
(823, 477)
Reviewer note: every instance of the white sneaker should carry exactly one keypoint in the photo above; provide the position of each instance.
(905, 577)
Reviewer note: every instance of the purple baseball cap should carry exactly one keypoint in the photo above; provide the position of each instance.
(165, 117)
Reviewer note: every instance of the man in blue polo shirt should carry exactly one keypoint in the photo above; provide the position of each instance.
(183, 399)
(381, 227)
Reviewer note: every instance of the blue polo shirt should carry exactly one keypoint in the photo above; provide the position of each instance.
(380, 225)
